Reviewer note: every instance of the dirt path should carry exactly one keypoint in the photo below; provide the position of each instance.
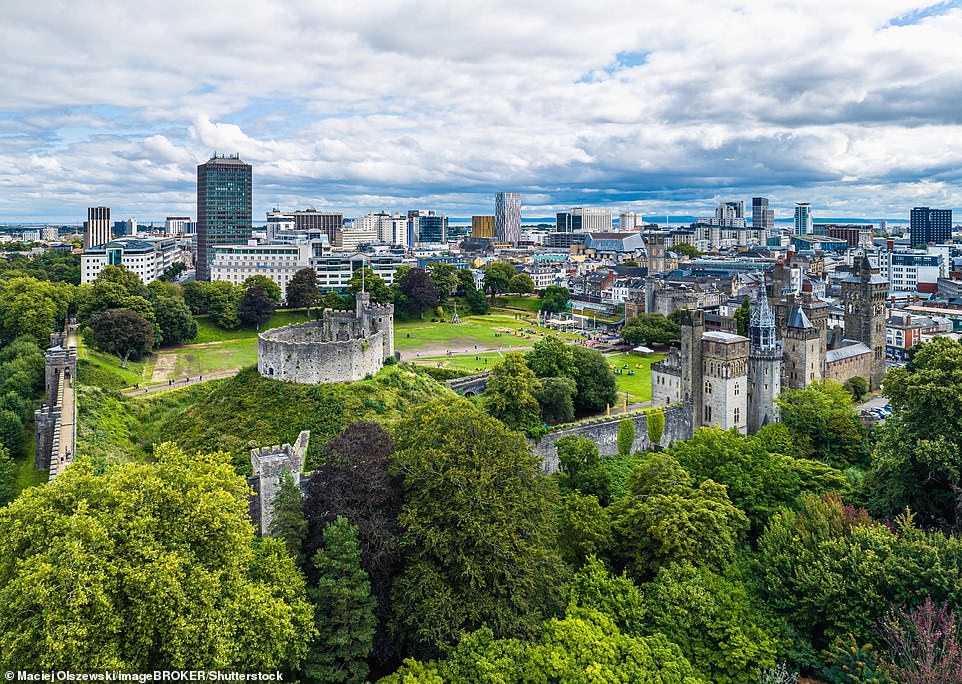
(163, 366)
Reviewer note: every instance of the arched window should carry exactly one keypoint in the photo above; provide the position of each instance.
(707, 386)
(737, 415)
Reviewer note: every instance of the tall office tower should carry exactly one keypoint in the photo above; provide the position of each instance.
(763, 218)
(427, 227)
(278, 221)
(631, 220)
(803, 219)
(591, 219)
(507, 217)
(312, 220)
(482, 226)
(930, 226)
(97, 227)
(730, 214)
(564, 222)
(223, 207)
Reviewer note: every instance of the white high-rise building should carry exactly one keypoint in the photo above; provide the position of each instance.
(278, 221)
(631, 220)
(507, 217)
(594, 219)
(803, 219)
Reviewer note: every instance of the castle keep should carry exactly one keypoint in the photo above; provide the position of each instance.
(343, 346)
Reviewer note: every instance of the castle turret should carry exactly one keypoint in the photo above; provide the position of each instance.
(692, 331)
(764, 365)
(268, 463)
(864, 294)
(804, 360)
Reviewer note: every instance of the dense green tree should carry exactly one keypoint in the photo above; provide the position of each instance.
(127, 279)
(11, 431)
(223, 300)
(476, 301)
(617, 596)
(584, 528)
(857, 386)
(596, 383)
(343, 609)
(8, 477)
(255, 308)
(122, 332)
(176, 324)
(497, 277)
(477, 529)
(302, 292)
(521, 284)
(143, 567)
(918, 458)
(554, 298)
(510, 395)
(743, 316)
(420, 291)
(354, 482)
(580, 468)
(556, 397)
(288, 522)
(687, 250)
(466, 282)
(365, 278)
(195, 296)
(653, 328)
(32, 308)
(164, 289)
(584, 647)
(173, 271)
(824, 424)
(655, 426)
(626, 437)
(445, 279)
(338, 302)
(666, 518)
(551, 357)
(722, 628)
(757, 481)
(270, 288)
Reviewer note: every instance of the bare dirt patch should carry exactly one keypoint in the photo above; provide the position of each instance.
(163, 367)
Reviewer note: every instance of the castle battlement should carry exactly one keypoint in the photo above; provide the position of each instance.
(342, 346)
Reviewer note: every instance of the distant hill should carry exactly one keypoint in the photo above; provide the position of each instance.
(247, 410)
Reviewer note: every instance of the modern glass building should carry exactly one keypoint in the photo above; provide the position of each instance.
(223, 207)
(803, 219)
(930, 226)
(507, 217)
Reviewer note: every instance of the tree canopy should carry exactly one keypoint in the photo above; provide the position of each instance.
(146, 566)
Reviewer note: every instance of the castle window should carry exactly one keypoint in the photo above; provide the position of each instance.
(736, 391)
(707, 387)
(737, 415)
(708, 414)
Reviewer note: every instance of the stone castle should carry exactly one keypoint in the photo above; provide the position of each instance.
(732, 381)
(343, 346)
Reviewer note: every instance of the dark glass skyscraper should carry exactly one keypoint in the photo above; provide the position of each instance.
(223, 207)
(930, 225)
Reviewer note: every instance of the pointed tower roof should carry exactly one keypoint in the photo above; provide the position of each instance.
(798, 319)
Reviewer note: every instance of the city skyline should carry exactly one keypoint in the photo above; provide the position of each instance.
(671, 108)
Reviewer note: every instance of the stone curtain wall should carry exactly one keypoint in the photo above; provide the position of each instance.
(605, 434)
(317, 362)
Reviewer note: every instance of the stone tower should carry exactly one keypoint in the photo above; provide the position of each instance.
(864, 293)
(804, 357)
(268, 463)
(724, 380)
(692, 331)
(764, 366)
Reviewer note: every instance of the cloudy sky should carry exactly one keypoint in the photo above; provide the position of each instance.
(646, 105)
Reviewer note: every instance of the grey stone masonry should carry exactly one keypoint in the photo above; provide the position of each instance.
(344, 346)
(268, 464)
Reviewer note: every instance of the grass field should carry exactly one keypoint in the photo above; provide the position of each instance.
(467, 362)
(208, 332)
(532, 303)
(410, 335)
(638, 386)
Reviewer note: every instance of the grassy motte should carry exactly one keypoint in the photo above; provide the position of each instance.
(246, 411)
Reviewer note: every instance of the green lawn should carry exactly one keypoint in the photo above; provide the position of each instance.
(208, 332)
(638, 386)
(107, 366)
(532, 303)
(194, 361)
(410, 335)
(467, 362)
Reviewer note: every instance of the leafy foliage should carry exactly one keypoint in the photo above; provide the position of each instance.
(497, 277)
(655, 425)
(665, 518)
(476, 528)
(554, 298)
(556, 397)
(343, 609)
(288, 522)
(302, 292)
(824, 424)
(420, 291)
(923, 644)
(510, 395)
(8, 476)
(653, 328)
(626, 436)
(143, 565)
(256, 307)
(122, 332)
(580, 467)
(176, 324)
(596, 383)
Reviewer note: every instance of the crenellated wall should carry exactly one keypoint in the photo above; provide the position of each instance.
(604, 433)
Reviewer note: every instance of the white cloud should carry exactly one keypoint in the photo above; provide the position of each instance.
(390, 105)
